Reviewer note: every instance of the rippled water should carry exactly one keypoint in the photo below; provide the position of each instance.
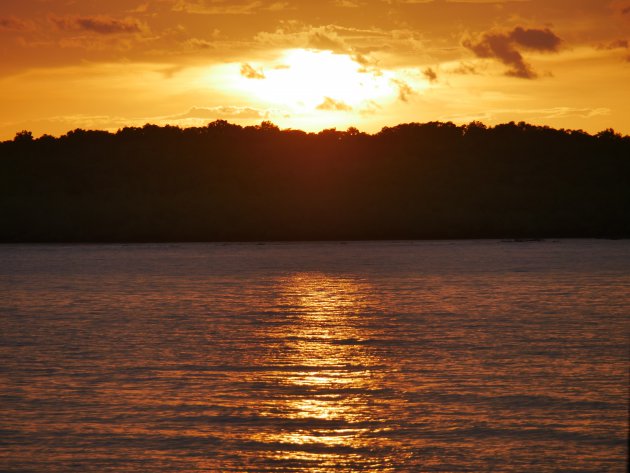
(316, 357)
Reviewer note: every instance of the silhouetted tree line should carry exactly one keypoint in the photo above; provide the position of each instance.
(227, 182)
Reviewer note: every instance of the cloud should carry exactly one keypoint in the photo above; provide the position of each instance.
(360, 43)
(362, 60)
(213, 113)
(368, 65)
(228, 7)
(505, 48)
(371, 107)
(346, 3)
(430, 74)
(201, 8)
(297, 35)
(279, 6)
(465, 68)
(12, 23)
(198, 43)
(404, 90)
(621, 7)
(250, 73)
(559, 112)
(620, 43)
(340, 39)
(98, 24)
(538, 40)
(333, 105)
(321, 39)
(617, 44)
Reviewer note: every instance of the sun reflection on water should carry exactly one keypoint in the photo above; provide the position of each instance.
(335, 392)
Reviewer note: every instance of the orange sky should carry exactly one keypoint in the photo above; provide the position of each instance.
(312, 64)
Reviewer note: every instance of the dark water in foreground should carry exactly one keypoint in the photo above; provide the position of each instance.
(411, 356)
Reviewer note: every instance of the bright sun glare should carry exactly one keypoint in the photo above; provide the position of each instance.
(318, 80)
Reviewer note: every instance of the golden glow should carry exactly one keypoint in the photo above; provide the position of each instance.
(305, 80)
(336, 388)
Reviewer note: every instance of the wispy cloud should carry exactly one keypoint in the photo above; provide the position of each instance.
(347, 3)
(250, 73)
(333, 105)
(224, 112)
(12, 23)
(616, 44)
(465, 68)
(228, 7)
(98, 24)
(293, 34)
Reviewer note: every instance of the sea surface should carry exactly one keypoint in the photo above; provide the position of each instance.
(453, 356)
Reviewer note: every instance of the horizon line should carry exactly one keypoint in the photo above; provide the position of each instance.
(269, 125)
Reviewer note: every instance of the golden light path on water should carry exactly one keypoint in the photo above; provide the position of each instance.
(327, 335)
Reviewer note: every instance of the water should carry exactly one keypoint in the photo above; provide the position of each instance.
(316, 357)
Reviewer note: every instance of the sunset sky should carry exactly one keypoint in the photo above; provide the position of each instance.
(68, 64)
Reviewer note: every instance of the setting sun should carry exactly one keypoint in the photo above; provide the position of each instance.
(305, 80)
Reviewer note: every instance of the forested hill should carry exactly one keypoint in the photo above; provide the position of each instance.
(226, 182)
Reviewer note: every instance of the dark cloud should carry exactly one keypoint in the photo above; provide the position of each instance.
(333, 105)
(538, 40)
(404, 90)
(430, 74)
(251, 73)
(98, 24)
(504, 47)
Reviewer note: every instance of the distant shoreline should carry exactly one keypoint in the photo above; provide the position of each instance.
(227, 183)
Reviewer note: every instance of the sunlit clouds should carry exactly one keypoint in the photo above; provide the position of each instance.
(312, 82)
(312, 65)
